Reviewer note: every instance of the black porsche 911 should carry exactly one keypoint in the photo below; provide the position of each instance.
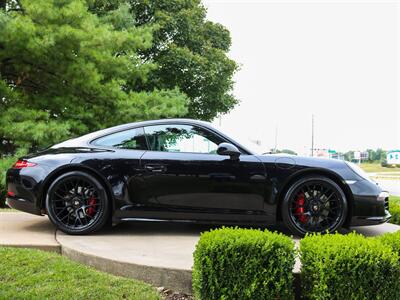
(186, 170)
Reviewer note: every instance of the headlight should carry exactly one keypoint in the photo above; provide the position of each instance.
(356, 169)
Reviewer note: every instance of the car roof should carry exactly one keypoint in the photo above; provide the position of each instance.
(84, 140)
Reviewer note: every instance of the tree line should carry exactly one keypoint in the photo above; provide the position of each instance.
(68, 67)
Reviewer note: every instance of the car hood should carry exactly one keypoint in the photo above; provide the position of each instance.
(302, 160)
(284, 161)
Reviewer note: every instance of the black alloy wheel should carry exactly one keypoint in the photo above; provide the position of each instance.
(314, 204)
(77, 203)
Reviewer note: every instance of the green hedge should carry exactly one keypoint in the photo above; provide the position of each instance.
(392, 240)
(234, 263)
(394, 208)
(349, 267)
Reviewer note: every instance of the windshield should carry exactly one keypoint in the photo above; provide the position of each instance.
(251, 144)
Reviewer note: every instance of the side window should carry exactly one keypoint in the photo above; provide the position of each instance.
(133, 139)
(181, 138)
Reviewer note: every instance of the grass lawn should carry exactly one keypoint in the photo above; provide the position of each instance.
(34, 274)
(7, 210)
(376, 167)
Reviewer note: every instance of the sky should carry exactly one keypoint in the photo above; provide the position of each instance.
(336, 60)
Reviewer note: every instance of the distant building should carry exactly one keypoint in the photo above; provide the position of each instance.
(327, 153)
(360, 156)
(393, 157)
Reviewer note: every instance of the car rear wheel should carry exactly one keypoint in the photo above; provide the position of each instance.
(77, 203)
(314, 204)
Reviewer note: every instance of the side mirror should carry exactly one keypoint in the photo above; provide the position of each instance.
(228, 149)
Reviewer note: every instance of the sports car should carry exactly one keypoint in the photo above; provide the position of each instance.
(186, 170)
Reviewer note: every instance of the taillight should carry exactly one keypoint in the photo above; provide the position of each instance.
(23, 164)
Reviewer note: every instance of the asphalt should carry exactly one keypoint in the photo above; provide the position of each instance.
(156, 252)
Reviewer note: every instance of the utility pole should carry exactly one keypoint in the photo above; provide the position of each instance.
(312, 135)
(276, 138)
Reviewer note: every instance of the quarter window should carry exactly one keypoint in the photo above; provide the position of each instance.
(133, 139)
(181, 138)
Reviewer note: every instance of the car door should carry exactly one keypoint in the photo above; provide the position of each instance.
(121, 165)
(184, 172)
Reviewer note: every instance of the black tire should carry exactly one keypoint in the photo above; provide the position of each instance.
(77, 203)
(314, 204)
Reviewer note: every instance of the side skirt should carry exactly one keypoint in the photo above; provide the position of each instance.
(192, 217)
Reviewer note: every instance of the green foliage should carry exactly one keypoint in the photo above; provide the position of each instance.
(287, 151)
(394, 209)
(33, 274)
(65, 71)
(74, 66)
(392, 240)
(5, 163)
(234, 263)
(189, 52)
(376, 155)
(348, 267)
(349, 155)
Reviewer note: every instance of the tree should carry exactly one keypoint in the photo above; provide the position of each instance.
(349, 156)
(188, 51)
(287, 151)
(65, 71)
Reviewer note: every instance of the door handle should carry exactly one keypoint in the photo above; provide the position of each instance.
(155, 168)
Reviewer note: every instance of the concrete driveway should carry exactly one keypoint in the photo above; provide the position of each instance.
(156, 252)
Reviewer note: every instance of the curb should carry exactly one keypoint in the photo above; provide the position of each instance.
(175, 279)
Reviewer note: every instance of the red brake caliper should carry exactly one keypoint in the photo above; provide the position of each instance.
(300, 208)
(90, 211)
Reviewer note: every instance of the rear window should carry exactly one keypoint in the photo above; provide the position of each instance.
(133, 139)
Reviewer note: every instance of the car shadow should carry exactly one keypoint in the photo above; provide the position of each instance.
(195, 229)
(179, 228)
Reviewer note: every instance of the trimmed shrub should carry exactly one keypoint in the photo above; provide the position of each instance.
(394, 209)
(234, 263)
(348, 267)
(392, 240)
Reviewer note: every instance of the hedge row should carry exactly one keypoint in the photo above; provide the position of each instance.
(394, 208)
(233, 263)
(349, 267)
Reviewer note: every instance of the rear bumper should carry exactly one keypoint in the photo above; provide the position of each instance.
(23, 187)
(23, 205)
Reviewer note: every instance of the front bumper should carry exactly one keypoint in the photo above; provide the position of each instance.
(370, 204)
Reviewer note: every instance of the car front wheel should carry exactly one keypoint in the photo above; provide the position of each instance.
(77, 203)
(314, 204)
